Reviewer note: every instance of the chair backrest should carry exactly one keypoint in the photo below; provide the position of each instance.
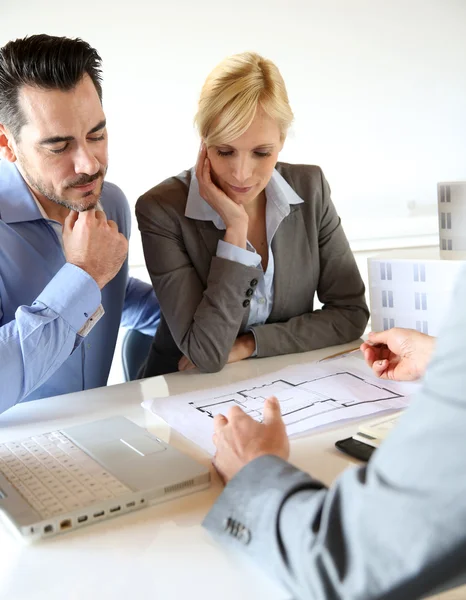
(134, 351)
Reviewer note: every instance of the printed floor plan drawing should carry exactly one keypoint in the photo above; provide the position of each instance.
(303, 399)
(311, 395)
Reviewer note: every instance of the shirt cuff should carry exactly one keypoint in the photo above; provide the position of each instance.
(254, 354)
(238, 255)
(73, 294)
(89, 324)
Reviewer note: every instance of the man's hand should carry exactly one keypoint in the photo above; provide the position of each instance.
(398, 354)
(239, 439)
(243, 347)
(94, 244)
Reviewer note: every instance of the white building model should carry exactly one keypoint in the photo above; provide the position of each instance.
(452, 219)
(411, 288)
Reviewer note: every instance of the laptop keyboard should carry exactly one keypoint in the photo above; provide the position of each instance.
(55, 476)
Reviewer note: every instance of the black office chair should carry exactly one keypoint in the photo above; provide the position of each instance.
(134, 351)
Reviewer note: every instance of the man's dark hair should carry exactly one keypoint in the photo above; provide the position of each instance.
(43, 61)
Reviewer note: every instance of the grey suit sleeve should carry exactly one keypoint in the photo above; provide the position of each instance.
(344, 314)
(203, 322)
(394, 529)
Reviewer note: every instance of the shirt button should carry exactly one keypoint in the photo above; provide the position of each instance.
(246, 303)
(254, 282)
(249, 292)
(262, 301)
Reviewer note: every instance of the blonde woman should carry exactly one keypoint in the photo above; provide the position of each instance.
(238, 246)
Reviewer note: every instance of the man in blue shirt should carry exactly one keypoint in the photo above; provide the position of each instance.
(64, 286)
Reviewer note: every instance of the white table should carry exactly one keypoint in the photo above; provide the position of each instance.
(159, 552)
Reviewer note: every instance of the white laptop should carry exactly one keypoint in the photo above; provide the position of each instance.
(64, 480)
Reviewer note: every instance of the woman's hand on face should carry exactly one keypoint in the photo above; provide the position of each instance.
(233, 215)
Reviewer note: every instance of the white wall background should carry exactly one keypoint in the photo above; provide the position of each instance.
(378, 88)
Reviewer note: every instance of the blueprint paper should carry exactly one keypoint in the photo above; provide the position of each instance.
(311, 395)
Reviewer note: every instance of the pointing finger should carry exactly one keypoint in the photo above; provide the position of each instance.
(272, 412)
(220, 422)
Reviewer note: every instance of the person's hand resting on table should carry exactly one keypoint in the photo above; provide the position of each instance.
(243, 347)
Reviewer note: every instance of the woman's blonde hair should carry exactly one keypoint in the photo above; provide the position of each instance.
(233, 91)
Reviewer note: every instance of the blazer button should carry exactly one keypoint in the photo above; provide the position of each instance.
(249, 292)
(253, 283)
(246, 303)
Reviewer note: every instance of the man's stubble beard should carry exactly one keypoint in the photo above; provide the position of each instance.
(83, 179)
(77, 206)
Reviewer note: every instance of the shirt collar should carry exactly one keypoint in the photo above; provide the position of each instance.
(278, 191)
(16, 201)
(39, 205)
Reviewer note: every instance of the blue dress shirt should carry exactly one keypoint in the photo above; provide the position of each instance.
(45, 301)
(279, 195)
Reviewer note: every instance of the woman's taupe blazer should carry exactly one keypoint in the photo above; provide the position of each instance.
(204, 298)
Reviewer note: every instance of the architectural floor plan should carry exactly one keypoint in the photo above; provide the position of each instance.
(299, 401)
(311, 395)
